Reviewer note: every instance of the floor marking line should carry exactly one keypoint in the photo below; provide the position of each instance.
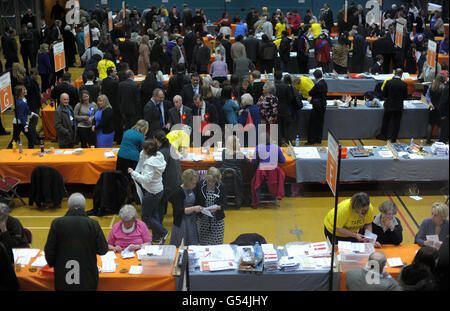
(403, 218)
(407, 210)
(112, 222)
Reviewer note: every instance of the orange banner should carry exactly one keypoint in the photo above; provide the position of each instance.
(6, 98)
(87, 37)
(399, 35)
(431, 54)
(110, 21)
(59, 56)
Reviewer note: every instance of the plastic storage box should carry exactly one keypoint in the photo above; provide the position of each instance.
(163, 264)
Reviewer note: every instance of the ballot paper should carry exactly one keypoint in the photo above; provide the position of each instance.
(306, 153)
(385, 153)
(126, 253)
(109, 154)
(68, 152)
(135, 270)
(221, 265)
(415, 197)
(108, 266)
(25, 252)
(206, 212)
(395, 262)
(109, 256)
(371, 236)
(23, 260)
(39, 262)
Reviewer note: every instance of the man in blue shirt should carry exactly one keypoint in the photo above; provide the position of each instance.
(240, 29)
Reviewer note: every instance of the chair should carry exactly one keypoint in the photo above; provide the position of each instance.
(46, 187)
(29, 235)
(233, 183)
(8, 187)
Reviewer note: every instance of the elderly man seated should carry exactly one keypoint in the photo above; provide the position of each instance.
(128, 232)
(12, 234)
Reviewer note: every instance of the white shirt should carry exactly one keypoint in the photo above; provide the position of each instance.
(181, 60)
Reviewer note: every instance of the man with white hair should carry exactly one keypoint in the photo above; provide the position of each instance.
(73, 243)
(179, 113)
(371, 278)
(12, 234)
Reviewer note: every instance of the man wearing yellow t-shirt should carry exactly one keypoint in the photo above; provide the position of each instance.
(353, 215)
(279, 28)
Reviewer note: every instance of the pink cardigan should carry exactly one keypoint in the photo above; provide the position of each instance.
(138, 236)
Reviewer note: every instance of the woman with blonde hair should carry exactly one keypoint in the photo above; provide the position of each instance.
(437, 224)
(144, 56)
(104, 123)
(44, 66)
(211, 193)
(185, 211)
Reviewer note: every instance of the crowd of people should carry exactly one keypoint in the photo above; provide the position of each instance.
(111, 107)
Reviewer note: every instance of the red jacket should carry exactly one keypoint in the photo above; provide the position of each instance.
(275, 183)
(322, 55)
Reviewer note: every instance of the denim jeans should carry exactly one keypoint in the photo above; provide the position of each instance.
(151, 214)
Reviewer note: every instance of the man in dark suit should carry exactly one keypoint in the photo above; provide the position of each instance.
(377, 67)
(284, 95)
(251, 46)
(318, 100)
(176, 113)
(178, 54)
(207, 112)
(227, 45)
(34, 101)
(359, 53)
(66, 87)
(389, 49)
(129, 101)
(129, 52)
(110, 87)
(189, 43)
(190, 90)
(177, 82)
(201, 57)
(395, 92)
(378, 45)
(327, 16)
(156, 113)
(10, 49)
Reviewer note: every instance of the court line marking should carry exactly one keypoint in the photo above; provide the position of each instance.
(404, 205)
(55, 216)
(48, 228)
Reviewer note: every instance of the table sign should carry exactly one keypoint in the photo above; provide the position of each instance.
(59, 56)
(6, 98)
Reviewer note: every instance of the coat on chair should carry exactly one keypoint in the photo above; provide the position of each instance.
(275, 183)
(47, 186)
(110, 192)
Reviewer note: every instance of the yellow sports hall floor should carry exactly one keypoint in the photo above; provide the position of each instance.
(295, 219)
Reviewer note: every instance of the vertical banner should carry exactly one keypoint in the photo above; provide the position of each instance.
(332, 163)
(123, 9)
(110, 21)
(399, 35)
(345, 10)
(6, 98)
(431, 54)
(333, 171)
(59, 57)
(87, 37)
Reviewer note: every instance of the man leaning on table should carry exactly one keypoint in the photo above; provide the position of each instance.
(371, 278)
(73, 243)
(64, 123)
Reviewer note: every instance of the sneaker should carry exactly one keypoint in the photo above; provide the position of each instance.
(164, 238)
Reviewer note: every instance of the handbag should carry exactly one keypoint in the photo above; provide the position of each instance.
(248, 123)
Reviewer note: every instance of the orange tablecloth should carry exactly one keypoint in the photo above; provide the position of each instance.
(288, 167)
(442, 58)
(47, 122)
(38, 281)
(406, 252)
(84, 168)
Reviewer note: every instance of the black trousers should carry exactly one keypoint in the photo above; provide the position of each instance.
(315, 126)
(87, 137)
(17, 129)
(28, 57)
(45, 82)
(443, 135)
(339, 69)
(285, 128)
(267, 66)
(329, 235)
(391, 116)
(302, 62)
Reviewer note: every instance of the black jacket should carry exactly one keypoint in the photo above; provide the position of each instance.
(284, 95)
(10, 49)
(395, 92)
(285, 49)
(443, 103)
(8, 281)
(150, 83)
(189, 43)
(129, 98)
(251, 48)
(47, 186)
(389, 237)
(257, 90)
(319, 95)
(188, 95)
(70, 90)
(110, 87)
(201, 57)
(106, 122)
(14, 236)
(73, 243)
(176, 84)
(221, 198)
(110, 192)
(175, 118)
(152, 115)
(177, 199)
(171, 176)
(33, 94)
(210, 109)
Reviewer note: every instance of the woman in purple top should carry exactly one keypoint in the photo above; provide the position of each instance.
(436, 225)
(44, 66)
(219, 69)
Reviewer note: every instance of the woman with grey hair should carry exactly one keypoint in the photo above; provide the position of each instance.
(386, 226)
(129, 231)
(268, 104)
(248, 107)
(12, 234)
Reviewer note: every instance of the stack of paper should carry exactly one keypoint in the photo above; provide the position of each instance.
(270, 257)
(306, 153)
(220, 265)
(108, 266)
(439, 148)
(395, 262)
(109, 154)
(319, 249)
(149, 250)
(126, 253)
(135, 270)
(350, 247)
(297, 250)
(39, 262)
(307, 263)
(288, 263)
